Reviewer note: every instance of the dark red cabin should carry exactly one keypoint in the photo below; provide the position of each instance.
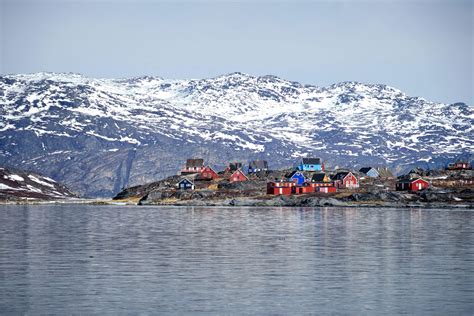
(412, 185)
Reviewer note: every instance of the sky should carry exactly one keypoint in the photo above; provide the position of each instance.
(425, 48)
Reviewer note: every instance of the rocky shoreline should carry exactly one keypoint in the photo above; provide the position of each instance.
(280, 201)
(373, 199)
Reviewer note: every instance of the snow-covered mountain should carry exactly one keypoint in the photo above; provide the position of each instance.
(18, 185)
(99, 135)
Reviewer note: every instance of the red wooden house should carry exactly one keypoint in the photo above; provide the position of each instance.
(193, 166)
(237, 176)
(416, 184)
(459, 165)
(346, 180)
(280, 187)
(208, 174)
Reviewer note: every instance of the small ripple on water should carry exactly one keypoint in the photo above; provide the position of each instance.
(114, 259)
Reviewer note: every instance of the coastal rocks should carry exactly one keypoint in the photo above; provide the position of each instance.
(377, 196)
(433, 195)
(203, 194)
(243, 202)
(325, 202)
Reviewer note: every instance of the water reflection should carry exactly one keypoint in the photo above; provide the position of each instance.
(86, 259)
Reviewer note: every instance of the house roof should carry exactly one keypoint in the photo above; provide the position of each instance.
(365, 169)
(311, 161)
(185, 180)
(291, 174)
(259, 164)
(191, 163)
(318, 177)
(209, 167)
(239, 171)
(417, 170)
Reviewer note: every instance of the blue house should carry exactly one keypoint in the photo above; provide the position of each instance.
(296, 176)
(370, 172)
(310, 164)
(185, 184)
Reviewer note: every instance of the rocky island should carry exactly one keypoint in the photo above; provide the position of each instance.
(449, 188)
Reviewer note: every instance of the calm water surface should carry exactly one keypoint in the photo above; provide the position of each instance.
(116, 259)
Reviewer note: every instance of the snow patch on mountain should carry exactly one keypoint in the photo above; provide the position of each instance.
(20, 184)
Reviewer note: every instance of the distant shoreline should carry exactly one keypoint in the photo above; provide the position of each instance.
(232, 203)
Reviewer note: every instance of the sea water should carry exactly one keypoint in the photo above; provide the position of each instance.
(84, 259)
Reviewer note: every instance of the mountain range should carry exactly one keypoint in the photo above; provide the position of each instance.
(98, 136)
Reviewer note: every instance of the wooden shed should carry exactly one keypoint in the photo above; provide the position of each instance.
(416, 184)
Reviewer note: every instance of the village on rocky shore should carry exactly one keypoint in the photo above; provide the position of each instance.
(309, 183)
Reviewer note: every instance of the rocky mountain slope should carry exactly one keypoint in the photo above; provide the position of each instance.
(17, 185)
(100, 135)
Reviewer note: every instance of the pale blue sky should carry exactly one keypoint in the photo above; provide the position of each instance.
(424, 48)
